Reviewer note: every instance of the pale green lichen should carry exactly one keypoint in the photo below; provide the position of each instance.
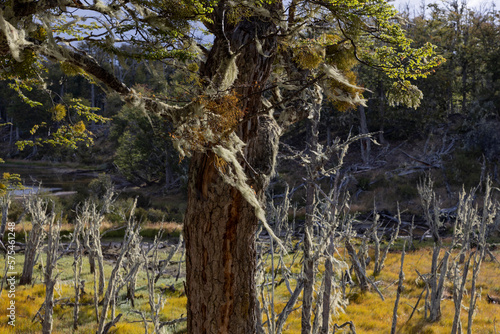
(237, 178)
(15, 37)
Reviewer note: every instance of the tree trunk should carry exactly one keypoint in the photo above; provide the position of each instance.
(220, 231)
(53, 239)
(30, 254)
(327, 293)
(381, 114)
(220, 225)
(312, 176)
(5, 202)
(363, 129)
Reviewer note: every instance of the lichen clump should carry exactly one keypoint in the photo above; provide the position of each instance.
(211, 126)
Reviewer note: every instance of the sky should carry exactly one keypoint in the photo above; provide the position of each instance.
(470, 3)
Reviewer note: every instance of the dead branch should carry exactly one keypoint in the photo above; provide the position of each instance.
(399, 291)
(351, 327)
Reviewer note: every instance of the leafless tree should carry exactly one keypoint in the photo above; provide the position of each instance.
(131, 235)
(78, 233)
(481, 232)
(38, 209)
(379, 261)
(398, 293)
(315, 159)
(439, 269)
(92, 215)
(52, 251)
(5, 201)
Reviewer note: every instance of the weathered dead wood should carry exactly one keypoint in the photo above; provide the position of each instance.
(289, 307)
(39, 211)
(414, 308)
(165, 263)
(52, 249)
(110, 324)
(173, 322)
(360, 275)
(458, 293)
(327, 292)
(131, 234)
(399, 291)
(492, 299)
(492, 256)
(439, 271)
(77, 266)
(5, 201)
(352, 328)
(356, 265)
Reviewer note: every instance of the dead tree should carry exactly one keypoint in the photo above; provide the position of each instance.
(155, 301)
(5, 201)
(52, 252)
(439, 269)
(93, 216)
(77, 265)
(131, 234)
(467, 218)
(459, 280)
(132, 262)
(398, 293)
(356, 265)
(277, 214)
(379, 261)
(314, 159)
(312, 167)
(481, 232)
(38, 208)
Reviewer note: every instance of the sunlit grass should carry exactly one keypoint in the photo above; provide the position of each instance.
(368, 312)
(372, 315)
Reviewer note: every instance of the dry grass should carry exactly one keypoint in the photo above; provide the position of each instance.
(368, 312)
(372, 315)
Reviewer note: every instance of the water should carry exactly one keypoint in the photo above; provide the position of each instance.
(58, 180)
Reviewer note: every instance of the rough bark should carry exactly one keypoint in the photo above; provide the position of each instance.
(220, 231)
(219, 224)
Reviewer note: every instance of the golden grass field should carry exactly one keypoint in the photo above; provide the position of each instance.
(368, 312)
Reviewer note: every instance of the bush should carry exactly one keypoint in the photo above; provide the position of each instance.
(99, 186)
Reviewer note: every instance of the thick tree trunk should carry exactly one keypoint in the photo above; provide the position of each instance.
(220, 225)
(220, 231)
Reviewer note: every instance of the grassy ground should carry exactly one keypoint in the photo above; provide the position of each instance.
(372, 315)
(368, 312)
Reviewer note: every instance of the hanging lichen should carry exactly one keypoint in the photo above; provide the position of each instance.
(212, 124)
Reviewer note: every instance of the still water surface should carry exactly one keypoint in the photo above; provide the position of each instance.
(49, 178)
